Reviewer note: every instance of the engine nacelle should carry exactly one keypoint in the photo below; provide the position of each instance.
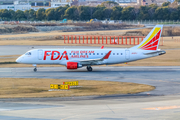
(72, 65)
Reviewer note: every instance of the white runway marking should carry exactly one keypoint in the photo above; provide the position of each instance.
(4, 109)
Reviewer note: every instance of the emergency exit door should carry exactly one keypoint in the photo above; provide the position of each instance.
(127, 54)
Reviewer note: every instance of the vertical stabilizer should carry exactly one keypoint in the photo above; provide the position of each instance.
(151, 41)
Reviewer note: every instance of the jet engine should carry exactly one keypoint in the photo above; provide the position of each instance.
(72, 65)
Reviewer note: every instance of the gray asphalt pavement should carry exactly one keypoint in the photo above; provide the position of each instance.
(163, 103)
(133, 108)
(19, 49)
(165, 79)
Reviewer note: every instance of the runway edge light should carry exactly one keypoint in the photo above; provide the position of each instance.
(57, 86)
(71, 83)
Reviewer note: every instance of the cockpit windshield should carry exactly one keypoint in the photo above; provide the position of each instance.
(28, 53)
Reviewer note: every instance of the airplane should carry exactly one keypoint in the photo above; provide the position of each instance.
(77, 58)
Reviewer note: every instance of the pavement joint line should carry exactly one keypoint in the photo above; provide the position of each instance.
(94, 112)
(110, 109)
(5, 71)
(88, 113)
(157, 80)
(162, 108)
(121, 67)
(93, 78)
(5, 109)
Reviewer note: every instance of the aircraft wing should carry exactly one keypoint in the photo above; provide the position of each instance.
(94, 61)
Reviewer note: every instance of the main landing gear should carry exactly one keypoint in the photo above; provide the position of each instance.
(89, 68)
(35, 67)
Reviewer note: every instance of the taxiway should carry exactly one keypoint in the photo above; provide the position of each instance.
(159, 104)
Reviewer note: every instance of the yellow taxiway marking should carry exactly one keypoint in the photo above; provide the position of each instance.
(162, 108)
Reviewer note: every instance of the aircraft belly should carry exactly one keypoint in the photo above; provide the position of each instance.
(114, 60)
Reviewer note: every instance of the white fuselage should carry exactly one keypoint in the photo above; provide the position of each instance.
(56, 56)
(76, 58)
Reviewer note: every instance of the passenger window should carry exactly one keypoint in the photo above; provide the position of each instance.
(89, 53)
(97, 53)
(86, 53)
(113, 53)
(73, 53)
(101, 53)
(121, 54)
(69, 53)
(93, 53)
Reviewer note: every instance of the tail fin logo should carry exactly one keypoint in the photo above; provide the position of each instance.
(152, 42)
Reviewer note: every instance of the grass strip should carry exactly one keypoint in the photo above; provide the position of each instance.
(36, 87)
(9, 63)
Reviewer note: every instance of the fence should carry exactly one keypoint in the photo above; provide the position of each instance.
(42, 22)
(176, 40)
(130, 22)
(151, 22)
(94, 39)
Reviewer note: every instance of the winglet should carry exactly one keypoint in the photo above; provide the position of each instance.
(96, 60)
(102, 47)
(107, 55)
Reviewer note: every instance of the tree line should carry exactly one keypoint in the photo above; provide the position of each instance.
(107, 10)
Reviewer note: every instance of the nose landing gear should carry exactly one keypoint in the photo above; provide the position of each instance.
(35, 67)
(89, 68)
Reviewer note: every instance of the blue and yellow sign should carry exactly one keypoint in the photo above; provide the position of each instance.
(62, 87)
(72, 83)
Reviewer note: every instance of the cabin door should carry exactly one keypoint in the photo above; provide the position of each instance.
(40, 54)
(127, 54)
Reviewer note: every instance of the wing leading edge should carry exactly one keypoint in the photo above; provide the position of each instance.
(94, 61)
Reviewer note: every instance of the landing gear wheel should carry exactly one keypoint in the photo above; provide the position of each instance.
(89, 68)
(35, 69)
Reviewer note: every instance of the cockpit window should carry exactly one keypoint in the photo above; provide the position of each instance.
(28, 53)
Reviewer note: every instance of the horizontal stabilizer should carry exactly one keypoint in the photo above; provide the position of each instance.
(159, 52)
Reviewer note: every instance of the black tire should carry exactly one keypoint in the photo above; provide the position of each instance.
(89, 69)
(35, 69)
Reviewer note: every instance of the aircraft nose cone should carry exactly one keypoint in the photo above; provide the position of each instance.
(18, 60)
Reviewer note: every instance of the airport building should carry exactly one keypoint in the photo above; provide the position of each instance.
(57, 3)
(127, 2)
(158, 2)
(32, 4)
(36, 4)
(98, 2)
(122, 2)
